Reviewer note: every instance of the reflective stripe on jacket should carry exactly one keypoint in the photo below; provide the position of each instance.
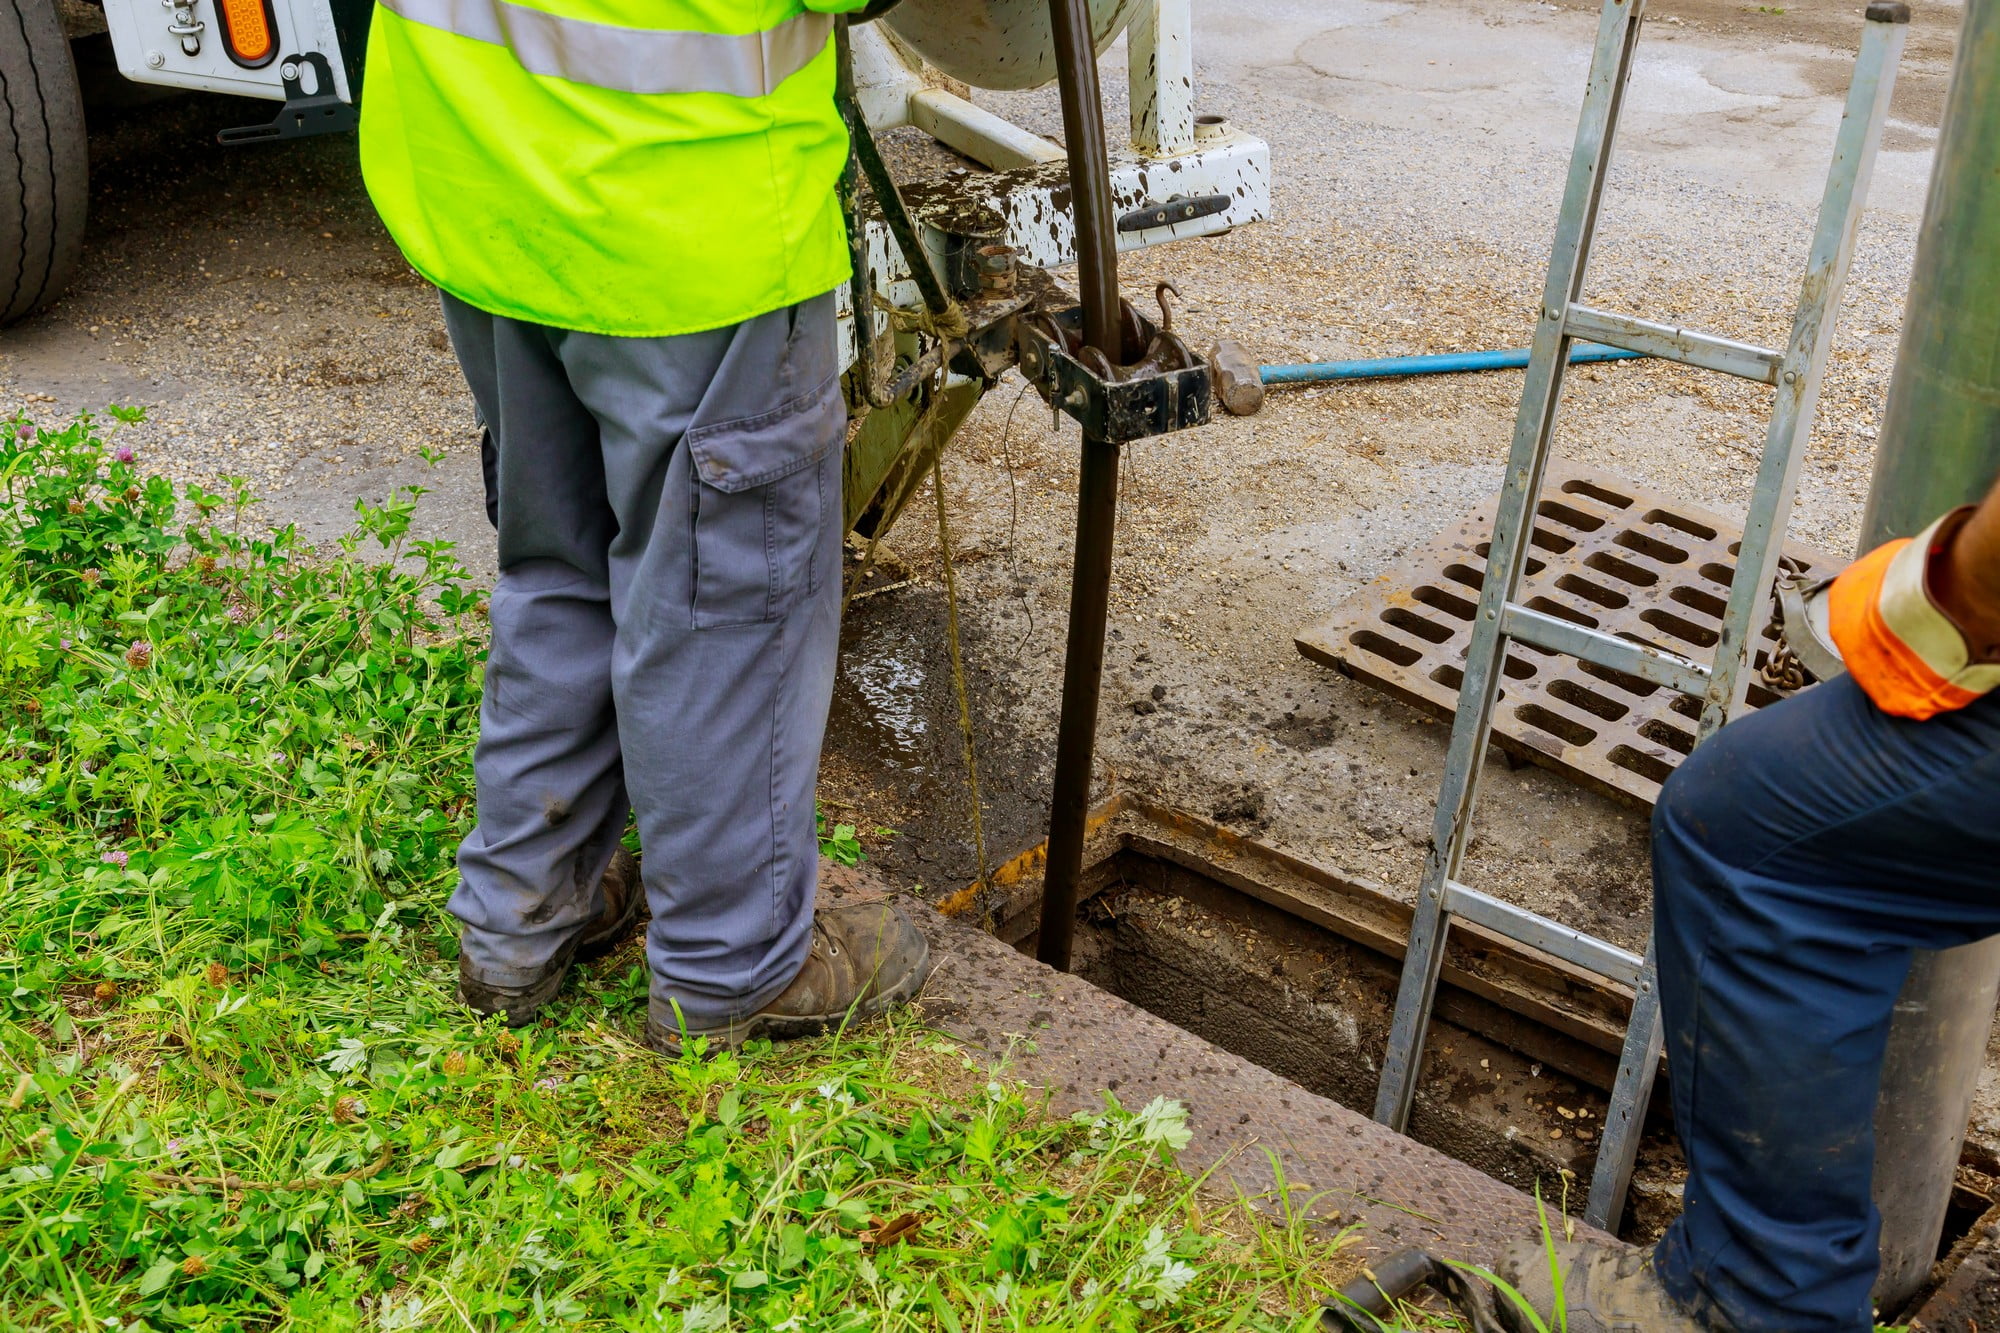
(1907, 655)
(630, 167)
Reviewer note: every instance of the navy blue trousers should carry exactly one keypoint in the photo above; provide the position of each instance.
(1799, 856)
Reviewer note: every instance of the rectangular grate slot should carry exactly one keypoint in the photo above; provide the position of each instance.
(1701, 636)
(1664, 552)
(1593, 591)
(1569, 516)
(1602, 494)
(1650, 767)
(1705, 602)
(1570, 731)
(1402, 654)
(1668, 735)
(1621, 569)
(1656, 574)
(1552, 542)
(1439, 600)
(1681, 523)
(1589, 700)
(1411, 623)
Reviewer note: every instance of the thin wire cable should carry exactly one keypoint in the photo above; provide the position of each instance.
(1014, 518)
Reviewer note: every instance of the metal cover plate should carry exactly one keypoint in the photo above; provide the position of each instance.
(1606, 554)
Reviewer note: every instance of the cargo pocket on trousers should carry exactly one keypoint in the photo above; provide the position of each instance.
(765, 488)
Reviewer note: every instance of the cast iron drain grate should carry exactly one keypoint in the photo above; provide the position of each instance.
(1607, 555)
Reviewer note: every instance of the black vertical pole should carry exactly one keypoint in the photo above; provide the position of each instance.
(1089, 174)
(1097, 489)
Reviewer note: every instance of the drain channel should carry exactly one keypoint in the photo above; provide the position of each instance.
(1295, 968)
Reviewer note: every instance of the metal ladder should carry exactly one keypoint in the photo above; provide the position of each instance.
(1795, 373)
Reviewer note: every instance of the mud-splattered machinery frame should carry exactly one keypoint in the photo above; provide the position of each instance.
(989, 231)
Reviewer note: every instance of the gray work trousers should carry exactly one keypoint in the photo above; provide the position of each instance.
(665, 626)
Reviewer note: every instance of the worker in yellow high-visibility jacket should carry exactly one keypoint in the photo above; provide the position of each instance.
(630, 207)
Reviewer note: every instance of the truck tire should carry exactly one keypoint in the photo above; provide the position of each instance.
(44, 159)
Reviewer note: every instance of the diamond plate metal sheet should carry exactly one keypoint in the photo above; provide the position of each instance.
(1606, 554)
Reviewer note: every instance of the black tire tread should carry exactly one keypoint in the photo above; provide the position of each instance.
(43, 159)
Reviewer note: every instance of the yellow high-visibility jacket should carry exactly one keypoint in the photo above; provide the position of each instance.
(630, 167)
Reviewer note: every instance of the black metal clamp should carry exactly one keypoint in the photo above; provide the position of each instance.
(320, 111)
(1165, 388)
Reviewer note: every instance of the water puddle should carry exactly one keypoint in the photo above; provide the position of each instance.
(884, 700)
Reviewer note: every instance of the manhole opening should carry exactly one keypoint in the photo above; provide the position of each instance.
(1295, 969)
(1501, 1091)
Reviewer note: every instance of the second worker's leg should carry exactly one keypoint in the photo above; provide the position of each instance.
(1799, 856)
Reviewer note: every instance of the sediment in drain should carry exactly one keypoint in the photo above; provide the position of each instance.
(1295, 967)
(1315, 1009)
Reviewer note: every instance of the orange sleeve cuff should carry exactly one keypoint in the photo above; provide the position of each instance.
(1903, 652)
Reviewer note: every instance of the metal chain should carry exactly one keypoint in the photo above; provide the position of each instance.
(1782, 669)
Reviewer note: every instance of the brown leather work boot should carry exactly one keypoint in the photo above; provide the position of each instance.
(624, 901)
(1605, 1289)
(866, 959)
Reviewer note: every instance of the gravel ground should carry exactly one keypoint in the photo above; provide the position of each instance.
(252, 301)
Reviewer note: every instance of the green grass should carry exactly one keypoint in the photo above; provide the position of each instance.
(237, 1092)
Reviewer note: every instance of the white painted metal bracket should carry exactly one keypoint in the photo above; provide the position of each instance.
(1032, 213)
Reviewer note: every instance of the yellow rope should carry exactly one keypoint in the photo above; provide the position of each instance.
(948, 324)
(958, 675)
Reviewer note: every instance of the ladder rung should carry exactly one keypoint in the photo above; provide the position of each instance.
(1606, 650)
(1673, 344)
(1538, 932)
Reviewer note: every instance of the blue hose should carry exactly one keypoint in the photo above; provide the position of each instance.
(1443, 363)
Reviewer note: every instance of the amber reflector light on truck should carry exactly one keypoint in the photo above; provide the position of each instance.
(250, 31)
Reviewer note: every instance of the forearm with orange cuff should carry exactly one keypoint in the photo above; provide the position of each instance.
(1906, 654)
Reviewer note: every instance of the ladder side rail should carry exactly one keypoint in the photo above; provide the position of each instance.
(1631, 1093)
(1860, 135)
(1791, 422)
(1610, 68)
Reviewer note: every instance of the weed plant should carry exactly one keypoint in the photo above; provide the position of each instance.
(239, 1093)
